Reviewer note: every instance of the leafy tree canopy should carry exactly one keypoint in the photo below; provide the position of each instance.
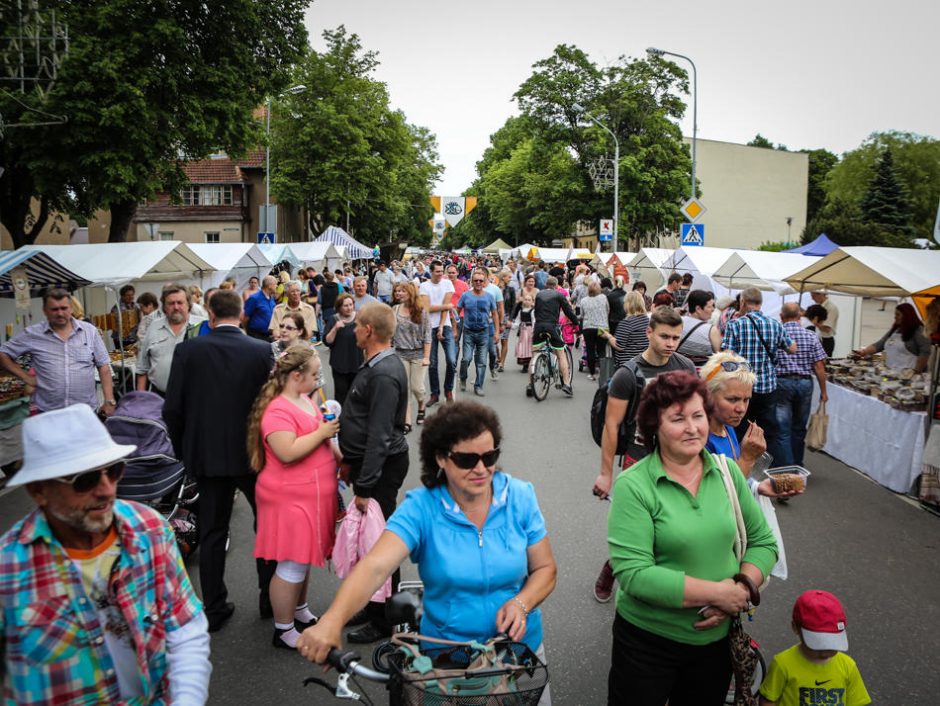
(340, 146)
(534, 182)
(916, 162)
(147, 86)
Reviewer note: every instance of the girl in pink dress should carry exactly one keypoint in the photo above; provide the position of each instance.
(289, 442)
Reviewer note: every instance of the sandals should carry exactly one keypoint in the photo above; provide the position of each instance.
(420, 418)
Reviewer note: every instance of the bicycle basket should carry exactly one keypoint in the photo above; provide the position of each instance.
(497, 673)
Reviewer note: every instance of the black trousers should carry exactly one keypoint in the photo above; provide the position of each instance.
(341, 384)
(595, 346)
(649, 670)
(216, 498)
(385, 492)
(829, 345)
(763, 411)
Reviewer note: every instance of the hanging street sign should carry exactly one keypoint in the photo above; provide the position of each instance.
(692, 209)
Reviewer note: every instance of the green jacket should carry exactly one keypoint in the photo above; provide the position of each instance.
(658, 533)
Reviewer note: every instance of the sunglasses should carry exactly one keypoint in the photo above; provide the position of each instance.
(88, 480)
(479, 281)
(469, 461)
(729, 366)
(289, 328)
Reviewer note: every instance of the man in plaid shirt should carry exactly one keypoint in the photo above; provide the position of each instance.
(95, 603)
(758, 340)
(795, 373)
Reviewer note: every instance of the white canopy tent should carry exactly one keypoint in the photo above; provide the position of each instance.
(317, 254)
(548, 255)
(276, 253)
(522, 251)
(767, 271)
(148, 265)
(240, 261)
(700, 262)
(647, 266)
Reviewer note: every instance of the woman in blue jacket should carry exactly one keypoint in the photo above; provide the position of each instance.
(476, 534)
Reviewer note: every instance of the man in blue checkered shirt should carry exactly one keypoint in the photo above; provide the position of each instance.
(795, 387)
(758, 340)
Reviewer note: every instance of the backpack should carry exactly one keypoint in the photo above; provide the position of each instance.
(627, 429)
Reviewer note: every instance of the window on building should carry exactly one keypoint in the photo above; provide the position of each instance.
(207, 195)
(166, 235)
(212, 237)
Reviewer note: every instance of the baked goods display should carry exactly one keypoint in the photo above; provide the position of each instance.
(787, 482)
(11, 388)
(130, 355)
(901, 388)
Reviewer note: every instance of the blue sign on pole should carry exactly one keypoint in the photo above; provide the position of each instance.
(266, 239)
(693, 234)
(605, 237)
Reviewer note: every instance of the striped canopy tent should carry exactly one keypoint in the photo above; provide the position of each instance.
(354, 249)
(42, 271)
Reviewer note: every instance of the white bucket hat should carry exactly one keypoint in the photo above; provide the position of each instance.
(63, 442)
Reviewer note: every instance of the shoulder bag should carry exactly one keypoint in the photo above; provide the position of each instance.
(743, 658)
(770, 356)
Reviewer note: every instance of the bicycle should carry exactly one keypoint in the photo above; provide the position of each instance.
(497, 673)
(545, 369)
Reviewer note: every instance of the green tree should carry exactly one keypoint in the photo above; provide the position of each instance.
(761, 141)
(339, 147)
(916, 163)
(886, 202)
(534, 178)
(147, 86)
(821, 162)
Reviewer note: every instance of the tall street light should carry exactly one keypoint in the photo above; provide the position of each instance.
(292, 91)
(581, 109)
(652, 51)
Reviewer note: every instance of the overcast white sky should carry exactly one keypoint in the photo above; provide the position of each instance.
(805, 73)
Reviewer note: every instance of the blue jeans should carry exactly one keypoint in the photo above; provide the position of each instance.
(450, 356)
(475, 342)
(794, 400)
(494, 354)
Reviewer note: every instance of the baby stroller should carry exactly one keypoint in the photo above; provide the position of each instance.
(152, 474)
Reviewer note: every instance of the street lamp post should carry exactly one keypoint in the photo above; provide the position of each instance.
(652, 51)
(294, 90)
(581, 109)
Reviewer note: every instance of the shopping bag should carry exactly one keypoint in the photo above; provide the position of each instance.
(818, 426)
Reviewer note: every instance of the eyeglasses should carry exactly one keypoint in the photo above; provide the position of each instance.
(729, 366)
(468, 461)
(289, 328)
(478, 281)
(88, 480)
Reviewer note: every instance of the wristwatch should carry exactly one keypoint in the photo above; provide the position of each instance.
(111, 402)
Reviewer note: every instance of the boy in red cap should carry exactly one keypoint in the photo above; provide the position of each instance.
(816, 671)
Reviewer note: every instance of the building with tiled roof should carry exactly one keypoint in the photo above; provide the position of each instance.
(222, 203)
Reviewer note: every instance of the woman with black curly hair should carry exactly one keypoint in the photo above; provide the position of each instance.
(467, 508)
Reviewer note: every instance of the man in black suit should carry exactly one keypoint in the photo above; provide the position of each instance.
(214, 381)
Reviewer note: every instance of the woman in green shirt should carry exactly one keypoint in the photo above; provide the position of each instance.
(671, 533)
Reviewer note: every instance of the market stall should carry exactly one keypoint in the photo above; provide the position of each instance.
(30, 273)
(700, 262)
(647, 266)
(766, 271)
(547, 255)
(278, 252)
(876, 421)
(354, 249)
(317, 255)
(240, 261)
(873, 271)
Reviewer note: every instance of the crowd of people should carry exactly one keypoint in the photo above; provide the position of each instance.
(698, 392)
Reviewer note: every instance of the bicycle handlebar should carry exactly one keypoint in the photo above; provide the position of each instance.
(350, 663)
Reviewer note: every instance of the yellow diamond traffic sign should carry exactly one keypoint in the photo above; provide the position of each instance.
(692, 209)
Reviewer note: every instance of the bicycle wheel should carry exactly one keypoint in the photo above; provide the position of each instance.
(570, 365)
(541, 376)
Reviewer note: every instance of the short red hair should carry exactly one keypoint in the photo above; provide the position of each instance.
(661, 393)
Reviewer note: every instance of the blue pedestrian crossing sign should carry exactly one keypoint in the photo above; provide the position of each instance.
(266, 238)
(693, 234)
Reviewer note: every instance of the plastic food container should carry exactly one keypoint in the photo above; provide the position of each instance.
(793, 470)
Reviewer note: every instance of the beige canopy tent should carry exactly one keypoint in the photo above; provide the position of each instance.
(871, 272)
(497, 245)
(647, 266)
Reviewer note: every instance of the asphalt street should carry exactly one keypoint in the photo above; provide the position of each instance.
(872, 548)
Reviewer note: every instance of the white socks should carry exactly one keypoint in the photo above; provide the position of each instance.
(303, 614)
(288, 634)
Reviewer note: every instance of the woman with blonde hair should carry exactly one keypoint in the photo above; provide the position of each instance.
(412, 343)
(289, 443)
(630, 339)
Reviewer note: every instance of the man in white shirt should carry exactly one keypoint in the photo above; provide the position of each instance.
(437, 294)
(384, 281)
